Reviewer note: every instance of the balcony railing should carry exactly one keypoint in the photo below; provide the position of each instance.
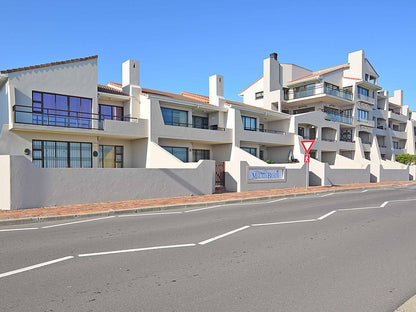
(264, 130)
(317, 89)
(365, 122)
(365, 98)
(338, 117)
(190, 125)
(63, 118)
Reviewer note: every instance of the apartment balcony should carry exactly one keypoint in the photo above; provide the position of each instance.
(365, 98)
(364, 122)
(398, 134)
(397, 116)
(338, 118)
(345, 144)
(398, 151)
(266, 136)
(186, 131)
(318, 91)
(31, 119)
(325, 144)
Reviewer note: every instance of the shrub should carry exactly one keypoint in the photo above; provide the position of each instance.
(269, 161)
(406, 159)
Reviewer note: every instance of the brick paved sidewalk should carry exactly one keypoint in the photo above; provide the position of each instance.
(160, 202)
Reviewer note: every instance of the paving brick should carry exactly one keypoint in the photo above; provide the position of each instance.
(160, 202)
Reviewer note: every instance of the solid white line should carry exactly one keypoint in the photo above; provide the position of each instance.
(284, 222)
(327, 195)
(21, 229)
(273, 201)
(133, 250)
(364, 191)
(205, 208)
(400, 200)
(384, 204)
(75, 222)
(361, 208)
(326, 215)
(223, 235)
(150, 214)
(35, 266)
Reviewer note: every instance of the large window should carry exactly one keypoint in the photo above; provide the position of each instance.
(174, 117)
(362, 114)
(56, 154)
(179, 152)
(200, 154)
(111, 156)
(362, 91)
(61, 110)
(200, 122)
(306, 90)
(250, 150)
(111, 112)
(249, 123)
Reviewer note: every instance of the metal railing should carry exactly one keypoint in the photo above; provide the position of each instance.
(366, 98)
(317, 89)
(63, 118)
(265, 130)
(338, 117)
(190, 125)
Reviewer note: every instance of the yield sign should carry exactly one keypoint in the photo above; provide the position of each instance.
(307, 145)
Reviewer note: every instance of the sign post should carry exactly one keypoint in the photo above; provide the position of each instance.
(307, 145)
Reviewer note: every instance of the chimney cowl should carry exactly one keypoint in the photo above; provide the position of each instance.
(273, 56)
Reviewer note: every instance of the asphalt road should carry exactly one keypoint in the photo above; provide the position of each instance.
(352, 251)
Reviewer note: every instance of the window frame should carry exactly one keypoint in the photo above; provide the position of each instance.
(115, 162)
(244, 120)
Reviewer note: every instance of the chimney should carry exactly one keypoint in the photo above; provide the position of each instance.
(216, 90)
(131, 73)
(273, 56)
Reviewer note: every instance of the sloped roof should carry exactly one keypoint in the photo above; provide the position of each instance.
(48, 64)
(109, 89)
(322, 72)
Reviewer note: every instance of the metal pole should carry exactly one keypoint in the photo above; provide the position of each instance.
(307, 175)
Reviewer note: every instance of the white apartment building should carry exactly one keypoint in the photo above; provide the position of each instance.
(66, 139)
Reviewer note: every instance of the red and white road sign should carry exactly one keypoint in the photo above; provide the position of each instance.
(307, 145)
(306, 158)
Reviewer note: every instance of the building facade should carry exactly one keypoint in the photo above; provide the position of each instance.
(66, 139)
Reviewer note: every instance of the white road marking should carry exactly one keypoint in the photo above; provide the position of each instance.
(75, 222)
(285, 222)
(134, 250)
(326, 215)
(205, 208)
(364, 191)
(223, 235)
(384, 204)
(21, 229)
(400, 200)
(150, 214)
(273, 201)
(35, 266)
(330, 194)
(361, 208)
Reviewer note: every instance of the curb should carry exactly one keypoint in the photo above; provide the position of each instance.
(176, 206)
(408, 306)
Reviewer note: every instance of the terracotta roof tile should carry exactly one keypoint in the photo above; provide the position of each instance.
(48, 64)
(196, 98)
(253, 107)
(109, 89)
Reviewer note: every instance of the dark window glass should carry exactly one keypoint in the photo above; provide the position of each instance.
(111, 112)
(179, 152)
(362, 91)
(200, 122)
(249, 123)
(173, 117)
(111, 156)
(52, 154)
(259, 95)
(251, 150)
(200, 154)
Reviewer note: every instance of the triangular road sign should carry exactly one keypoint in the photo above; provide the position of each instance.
(307, 145)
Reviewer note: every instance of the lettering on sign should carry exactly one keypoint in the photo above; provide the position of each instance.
(265, 174)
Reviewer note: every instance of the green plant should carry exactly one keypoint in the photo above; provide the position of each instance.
(406, 159)
(270, 161)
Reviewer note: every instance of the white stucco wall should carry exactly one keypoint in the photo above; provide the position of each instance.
(34, 187)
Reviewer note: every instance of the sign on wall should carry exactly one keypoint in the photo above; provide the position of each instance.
(265, 174)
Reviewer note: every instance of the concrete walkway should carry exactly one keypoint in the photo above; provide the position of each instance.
(9, 217)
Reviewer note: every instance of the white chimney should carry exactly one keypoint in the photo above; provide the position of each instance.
(271, 83)
(131, 73)
(216, 90)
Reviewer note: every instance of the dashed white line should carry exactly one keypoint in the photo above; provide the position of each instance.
(134, 250)
(205, 208)
(21, 229)
(75, 222)
(35, 266)
(285, 222)
(330, 194)
(384, 204)
(150, 214)
(223, 235)
(364, 191)
(277, 200)
(326, 215)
